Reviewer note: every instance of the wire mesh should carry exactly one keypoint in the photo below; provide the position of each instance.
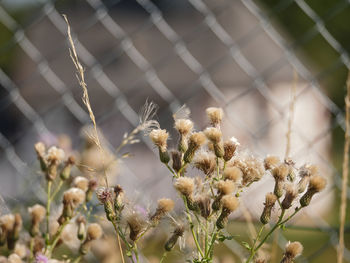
(195, 52)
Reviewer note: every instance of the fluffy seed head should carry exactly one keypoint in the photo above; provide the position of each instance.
(205, 161)
(183, 126)
(74, 196)
(317, 183)
(230, 148)
(233, 173)
(40, 149)
(185, 185)
(271, 162)
(94, 231)
(55, 154)
(291, 194)
(251, 167)
(37, 212)
(159, 137)
(280, 172)
(81, 183)
(293, 249)
(165, 205)
(20, 250)
(225, 187)
(197, 139)
(215, 115)
(7, 222)
(308, 170)
(230, 203)
(14, 258)
(270, 199)
(213, 134)
(136, 223)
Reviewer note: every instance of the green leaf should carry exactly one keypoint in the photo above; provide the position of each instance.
(246, 245)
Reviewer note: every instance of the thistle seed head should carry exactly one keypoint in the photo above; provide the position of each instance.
(317, 183)
(230, 148)
(81, 183)
(37, 213)
(185, 185)
(184, 126)
(271, 162)
(94, 231)
(159, 137)
(229, 203)
(225, 187)
(213, 134)
(215, 115)
(233, 173)
(205, 161)
(293, 249)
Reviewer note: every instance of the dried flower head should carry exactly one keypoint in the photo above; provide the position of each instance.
(291, 194)
(136, 224)
(74, 196)
(104, 194)
(178, 232)
(196, 140)
(40, 149)
(203, 202)
(165, 205)
(252, 168)
(7, 222)
(233, 173)
(20, 250)
(55, 155)
(215, 115)
(225, 187)
(230, 148)
(293, 250)
(229, 203)
(94, 231)
(270, 200)
(185, 185)
(81, 183)
(159, 137)
(205, 161)
(308, 170)
(14, 258)
(317, 183)
(213, 134)
(183, 126)
(280, 172)
(271, 162)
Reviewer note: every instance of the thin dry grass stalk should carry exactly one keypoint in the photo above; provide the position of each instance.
(344, 174)
(81, 78)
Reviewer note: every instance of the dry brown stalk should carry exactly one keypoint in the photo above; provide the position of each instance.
(344, 174)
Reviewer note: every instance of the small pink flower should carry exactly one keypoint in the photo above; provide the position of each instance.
(40, 258)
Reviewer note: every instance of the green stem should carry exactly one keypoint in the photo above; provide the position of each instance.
(56, 238)
(192, 228)
(206, 237)
(217, 168)
(171, 170)
(163, 257)
(77, 260)
(31, 247)
(213, 239)
(58, 188)
(181, 169)
(48, 206)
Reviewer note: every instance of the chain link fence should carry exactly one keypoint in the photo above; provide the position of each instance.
(238, 55)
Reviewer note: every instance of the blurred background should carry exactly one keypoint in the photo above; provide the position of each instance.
(247, 56)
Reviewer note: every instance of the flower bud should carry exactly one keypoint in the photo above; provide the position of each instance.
(176, 157)
(66, 171)
(81, 222)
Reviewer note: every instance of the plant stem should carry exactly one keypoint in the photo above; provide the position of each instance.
(192, 227)
(77, 259)
(56, 238)
(163, 257)
(48, 206)
(58, 188)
